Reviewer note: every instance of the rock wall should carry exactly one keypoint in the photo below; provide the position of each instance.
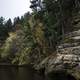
(67, 54)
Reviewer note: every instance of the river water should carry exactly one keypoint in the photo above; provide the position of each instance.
(17, 73)
(26, 72)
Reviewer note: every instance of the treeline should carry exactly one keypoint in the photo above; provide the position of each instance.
(35, 35)
(7, 26)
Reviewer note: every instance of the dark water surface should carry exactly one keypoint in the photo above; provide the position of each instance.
(60, 75)
(26, 72)
(11, 72)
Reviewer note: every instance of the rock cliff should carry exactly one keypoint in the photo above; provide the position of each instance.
(67, 56)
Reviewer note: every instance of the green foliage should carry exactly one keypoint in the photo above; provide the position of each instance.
(35, 35)
(8, 25)
(3, 31)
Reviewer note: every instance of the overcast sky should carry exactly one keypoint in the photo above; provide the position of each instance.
(13, 8)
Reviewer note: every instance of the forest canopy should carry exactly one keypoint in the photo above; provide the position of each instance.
(34, 36)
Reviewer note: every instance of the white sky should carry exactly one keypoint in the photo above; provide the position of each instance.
(13, 8)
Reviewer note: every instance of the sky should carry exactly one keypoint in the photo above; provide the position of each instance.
(13, 8)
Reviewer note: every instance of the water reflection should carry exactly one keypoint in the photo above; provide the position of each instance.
(16, 73)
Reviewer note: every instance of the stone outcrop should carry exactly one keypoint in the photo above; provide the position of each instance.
(67, 55)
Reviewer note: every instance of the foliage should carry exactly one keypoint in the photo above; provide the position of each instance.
(3, 31)
(35, 35)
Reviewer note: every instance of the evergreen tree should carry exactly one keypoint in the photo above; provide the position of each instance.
(8, 25)
(3, 30)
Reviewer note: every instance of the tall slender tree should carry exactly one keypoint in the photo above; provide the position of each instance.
(8, 25)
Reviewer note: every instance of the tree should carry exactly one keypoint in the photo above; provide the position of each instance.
(36, 5)
(8, 25)
(17, 23)
(1, 21)
(3, 31)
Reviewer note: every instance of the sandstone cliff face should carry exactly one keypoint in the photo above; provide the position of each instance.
(67, 54)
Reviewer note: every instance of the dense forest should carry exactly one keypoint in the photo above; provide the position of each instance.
(33, 37)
